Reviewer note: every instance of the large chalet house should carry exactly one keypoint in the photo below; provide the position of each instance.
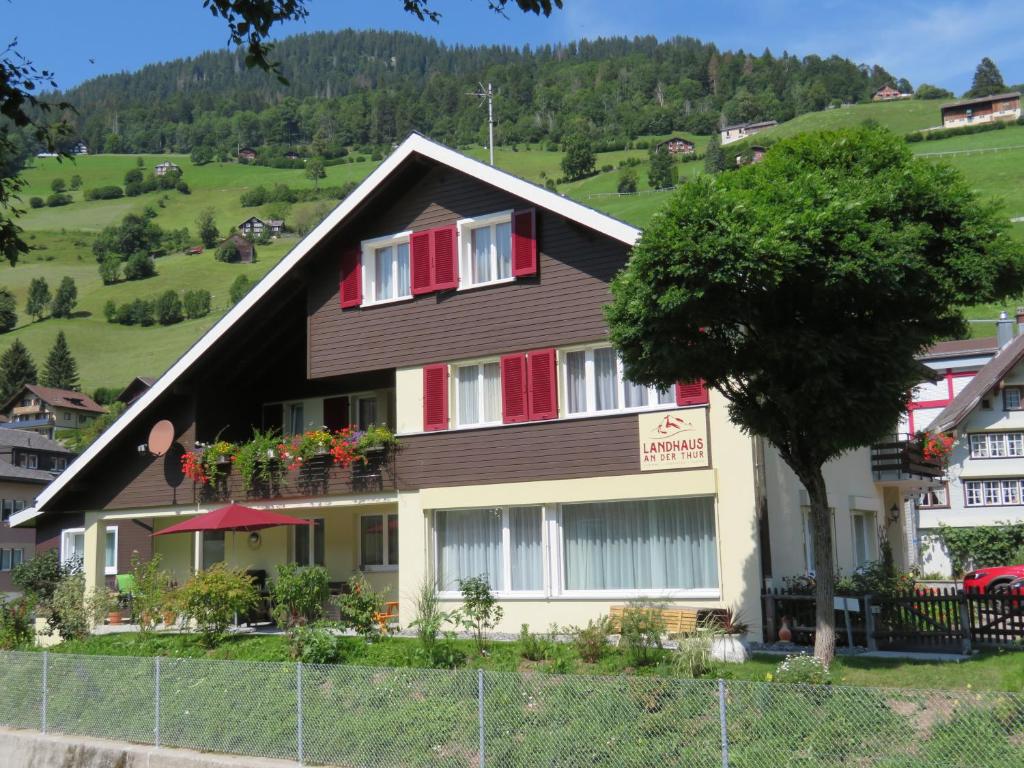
(48, 410)
(462, 306)
(984, 109)
(738, 131)
(28, 463)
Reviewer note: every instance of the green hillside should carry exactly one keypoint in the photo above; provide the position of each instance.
(110, 354)
(901, 116)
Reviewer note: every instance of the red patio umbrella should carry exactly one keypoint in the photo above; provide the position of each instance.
(233, 517)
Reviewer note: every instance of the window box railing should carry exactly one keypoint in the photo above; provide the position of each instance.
(903, 457)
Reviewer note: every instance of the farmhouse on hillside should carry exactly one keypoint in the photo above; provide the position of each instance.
(252, 227)
(434, 302)
(888, 93)
(985, 109)
(46, 409)
(247, 154)
(162, 169)
(80, 148)
(738, 131)
(675, 146)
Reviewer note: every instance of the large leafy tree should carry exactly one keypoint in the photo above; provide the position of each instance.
(16, 370)
(61, 369)
(39, 298)
(66, 298)
(579, 160)
(987, 80)
(802, 288)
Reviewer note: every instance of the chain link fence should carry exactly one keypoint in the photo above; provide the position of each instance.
(366, 717)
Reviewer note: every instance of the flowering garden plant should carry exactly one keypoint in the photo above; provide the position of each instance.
(936, 446)
(217, 455)
(192, 467)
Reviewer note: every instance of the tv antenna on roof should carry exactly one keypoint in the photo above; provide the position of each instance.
(487, 93)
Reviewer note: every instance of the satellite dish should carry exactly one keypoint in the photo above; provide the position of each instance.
(161, 437)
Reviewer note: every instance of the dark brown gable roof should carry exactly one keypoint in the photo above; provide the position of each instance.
(993, 372)
(960, 347)
(982, 99)
(59, 398)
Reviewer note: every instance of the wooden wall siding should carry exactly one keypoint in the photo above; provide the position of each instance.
(549, 450)
(561, 305)
(15, 538)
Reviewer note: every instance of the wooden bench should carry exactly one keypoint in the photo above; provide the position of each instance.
(678, 621)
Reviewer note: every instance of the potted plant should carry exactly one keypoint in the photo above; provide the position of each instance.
(169, 609)
(345, 446)
(375, 440)
(257, 460)
(217, 459)
(192, 467)
(301, 449)
(727, 644)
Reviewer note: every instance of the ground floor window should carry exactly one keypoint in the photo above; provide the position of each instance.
(641, 547)
(212, 548)
(378, 542)
(309, 543)
(863, 538)
(11, 558)
(72, 547)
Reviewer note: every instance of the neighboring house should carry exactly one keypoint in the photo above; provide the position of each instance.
(755, 155)
(247, 154)
(463, 307)
(28, 463)
(80, 148)
(161, 169)
(276, 226)
(888, 93)
(246, 249)
(47, 410)
(986, 109)
(676, 146)
(252, 227)
(984, 479)
(135, 389)
(731, 133)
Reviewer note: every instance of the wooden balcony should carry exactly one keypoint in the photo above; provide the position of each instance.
(902, 459)
(319, 477)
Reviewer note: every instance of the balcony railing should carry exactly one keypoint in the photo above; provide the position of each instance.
(902, 458)
(319, 476)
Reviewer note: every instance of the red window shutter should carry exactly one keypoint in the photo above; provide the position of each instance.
(351, 278)
(445, 256)
(420, 263)
(691, 393)
(543, 389)
(435, 397)
(514, 406)
(524, 243)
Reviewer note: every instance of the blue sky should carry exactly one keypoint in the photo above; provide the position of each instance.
(939, 41)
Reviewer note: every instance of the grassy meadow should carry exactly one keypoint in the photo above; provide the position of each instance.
(110, 355)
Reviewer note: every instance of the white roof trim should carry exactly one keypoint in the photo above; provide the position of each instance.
(28, 513)
(414, 144)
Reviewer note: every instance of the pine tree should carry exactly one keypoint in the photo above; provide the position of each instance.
(65, 299)
(714, 158)
(8, 311)
(38, 298)
(16, 370)
(61, 371)
(987, 80)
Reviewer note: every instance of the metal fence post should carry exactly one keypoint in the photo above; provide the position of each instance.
(46, 666)
(156, 712)
(722, 718)
(480, 711)
(298, 708)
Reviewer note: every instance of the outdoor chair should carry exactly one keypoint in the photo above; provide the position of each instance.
(386, 617)
(125, 583)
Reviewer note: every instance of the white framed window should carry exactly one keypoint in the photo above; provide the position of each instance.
(485, 250)
(378, 542)
(60, 464)
(478, 394)
(364, 411)
(864, 538)
(993, 493)
(11, 558)
(503, 544)
(386, 269)
(295, 418)
(997, 445)
(211, 548)
(1011, 399)
(309, 543)
(592, 383)
(72, 547)
(934, 497)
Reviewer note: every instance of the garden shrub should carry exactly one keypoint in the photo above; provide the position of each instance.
(36, 202)
(212, 598)
(429, 621)
(480, 611)
(642, 628)
(591, 641)
(71, 613)
(693, 657)
(58, 199)
(534, 647)
(314, 644)
(197, 303)
(15, 623)
(983, 545)
(298, 594)
(139, 266)
(802, 668)
(358, 607)
(104, 193)
(152, 588)
(38, 577)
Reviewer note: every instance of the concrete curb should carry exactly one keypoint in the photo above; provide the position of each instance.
(31, 749)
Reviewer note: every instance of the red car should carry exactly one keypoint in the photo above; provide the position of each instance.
(997, 579)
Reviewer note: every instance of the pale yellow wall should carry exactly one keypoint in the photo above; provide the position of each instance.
(409, 400)
(731, 481)
(175, 550)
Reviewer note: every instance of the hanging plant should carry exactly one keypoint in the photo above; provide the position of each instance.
(217, 458)
(344, 446)
(299, 450)
(192, 467)
(376, 439)
(936, 446)
(257, 459)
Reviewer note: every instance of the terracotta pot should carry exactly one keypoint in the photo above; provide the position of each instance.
(785, 633)
(114, 617)
(169, 618)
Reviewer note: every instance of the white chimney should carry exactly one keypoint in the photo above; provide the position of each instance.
(1004, 330)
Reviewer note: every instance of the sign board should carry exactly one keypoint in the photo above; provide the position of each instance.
(674, 439)
(851, 604)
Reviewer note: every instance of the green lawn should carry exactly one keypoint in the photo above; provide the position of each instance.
(899, 116)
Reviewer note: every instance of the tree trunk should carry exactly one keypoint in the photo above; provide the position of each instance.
(824, 567)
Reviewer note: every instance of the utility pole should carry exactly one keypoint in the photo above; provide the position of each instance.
(487, 93)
